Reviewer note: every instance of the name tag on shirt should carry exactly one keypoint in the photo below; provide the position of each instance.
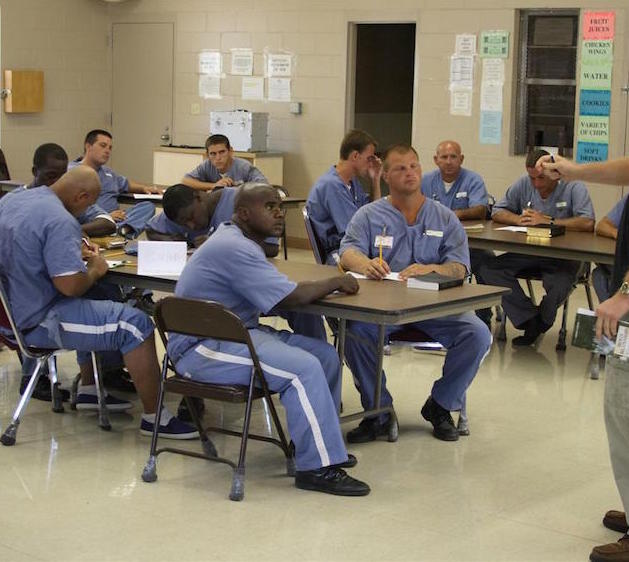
(109, 175)
(436, 233)
(561, 204)
(461, 194)
(384, 241)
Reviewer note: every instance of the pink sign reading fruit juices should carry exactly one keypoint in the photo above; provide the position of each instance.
(598, 25)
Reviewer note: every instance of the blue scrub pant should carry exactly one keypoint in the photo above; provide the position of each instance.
(137, 217)
(465, 336)
(304, 371)
(310, 325)
(91, 325)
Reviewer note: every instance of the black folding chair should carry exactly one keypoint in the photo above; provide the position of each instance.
(205, 319)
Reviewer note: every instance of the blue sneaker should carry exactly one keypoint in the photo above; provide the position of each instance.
(174, 429)
(90, 402)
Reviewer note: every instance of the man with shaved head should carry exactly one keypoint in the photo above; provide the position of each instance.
(47, 282)
(231, 268)
(462, 191)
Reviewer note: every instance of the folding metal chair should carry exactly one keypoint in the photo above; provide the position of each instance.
(15, 342)
(283, 194)
(205, 319)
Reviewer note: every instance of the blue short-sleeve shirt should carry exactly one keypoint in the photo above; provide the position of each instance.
(331, 204)
(436, 236)
(568, 199)
(468, 190)
(92, 213)
(615, 214)
(240, 171)
(112, 185)
(39, 240)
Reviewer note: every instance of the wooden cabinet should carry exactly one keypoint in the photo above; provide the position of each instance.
(25, 91)
(171, 163)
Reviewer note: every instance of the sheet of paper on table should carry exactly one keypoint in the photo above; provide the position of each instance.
(513, 228)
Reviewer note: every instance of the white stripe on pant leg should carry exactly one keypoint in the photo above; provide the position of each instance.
(102, 329)
(297, 384)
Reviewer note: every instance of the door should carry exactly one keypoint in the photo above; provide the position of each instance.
(142, 95)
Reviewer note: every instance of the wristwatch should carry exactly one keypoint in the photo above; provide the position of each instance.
(624, 288)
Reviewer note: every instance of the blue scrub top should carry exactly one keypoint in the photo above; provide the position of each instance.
(111, 184)
(240, 171)
(616, 213)
(436, 236)
(39, 240)
(468, 190)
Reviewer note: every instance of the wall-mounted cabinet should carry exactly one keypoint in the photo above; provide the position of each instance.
(24, 91)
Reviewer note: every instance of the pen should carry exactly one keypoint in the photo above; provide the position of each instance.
(384, 233)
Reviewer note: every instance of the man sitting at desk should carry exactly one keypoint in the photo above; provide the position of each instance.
(337, 194)
(231, 268)
(537, 199)
(417, 236)
(465, 193)
(47, 282)
(98, 147)
(221, 168)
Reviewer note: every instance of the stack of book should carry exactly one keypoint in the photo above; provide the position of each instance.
(433, 282)
(545, 230)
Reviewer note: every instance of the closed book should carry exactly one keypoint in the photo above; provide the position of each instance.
(433, 282)
(584, 333)
(546, 230)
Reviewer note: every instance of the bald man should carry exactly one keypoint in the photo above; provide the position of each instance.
(231, 268)
(462, 191)
(43, 270)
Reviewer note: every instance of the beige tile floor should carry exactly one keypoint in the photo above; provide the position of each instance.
(530, 483)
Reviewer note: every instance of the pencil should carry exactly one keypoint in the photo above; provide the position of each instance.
(380, 252)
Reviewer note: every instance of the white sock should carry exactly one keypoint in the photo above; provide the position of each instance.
(164, 418)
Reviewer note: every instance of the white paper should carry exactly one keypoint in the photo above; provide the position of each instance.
(242, 62)
(253, 88)
(465, 44)
(461, 102)
(279, 64)
(279, 89)
(461, 71)
(161, 258)
(157, 196)
(112, 264)
(513, 228)
(393, 276)
(491, 96)
(478, 226)
(209, 86)
(494, 70)
(211, 63)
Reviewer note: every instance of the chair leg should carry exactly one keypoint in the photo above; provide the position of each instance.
(588, 294)
(594, 366)
(267, 416)
(149, 474)
(289, 451)
(75, 391)
(501, 334)
(57, 400)
(529, 285)
(103, 415)
(499, 313)
(561, 341)
(10, 433)
(206, 444)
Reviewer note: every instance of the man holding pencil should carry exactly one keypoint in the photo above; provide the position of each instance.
(532, 200)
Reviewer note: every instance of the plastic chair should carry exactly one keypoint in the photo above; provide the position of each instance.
(16, 342)
(205, 319)
(283, 194)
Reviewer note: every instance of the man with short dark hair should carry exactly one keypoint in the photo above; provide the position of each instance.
(532, 200)
(222, 168)
(338, 194)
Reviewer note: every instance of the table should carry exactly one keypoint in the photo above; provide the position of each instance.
(578, 246)
(384, 303)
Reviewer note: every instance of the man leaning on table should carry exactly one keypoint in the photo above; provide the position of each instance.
(532, 200)
(609, 312)
(417, 236)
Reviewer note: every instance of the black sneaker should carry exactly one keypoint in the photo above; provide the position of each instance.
(441, 420)
(330, 480)
(183, 413)
(42, 389)
(533, 329)
(368, 430)
(118, 379)
(351, 462)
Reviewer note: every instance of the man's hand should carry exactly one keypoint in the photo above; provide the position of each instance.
(374, 270)
(375, 168)
(349, 284)
(416, 269)
(608, 314)
(89, 249)
(198, 240)
(531, 217)
(560, 168)
(225, 181)
(152, 189)
(98, 265)
(118, 215)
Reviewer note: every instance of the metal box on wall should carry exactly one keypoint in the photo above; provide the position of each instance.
(245, 130)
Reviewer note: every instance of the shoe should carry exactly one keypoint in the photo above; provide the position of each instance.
(616, 521)
(612, 552)
(351, 462)
(118, 379)
(42, 389)
(441, 420)
(330, 480)
(184, 414)
(368, 430)
(90, 402)
(533, 329)
(174, 429)
(146, 304)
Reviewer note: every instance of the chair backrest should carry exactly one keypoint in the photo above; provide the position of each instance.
(315, 243)
(4, 168)
(7, 322)
(491, 201)
(282, 191)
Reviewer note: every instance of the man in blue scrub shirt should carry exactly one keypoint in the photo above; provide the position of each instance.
(417, 236)
(231, 268)
(41, 263)
(608, 227)
(98, 147)
(537, 199)
(465, 193)
(337, 194)
(221, 168)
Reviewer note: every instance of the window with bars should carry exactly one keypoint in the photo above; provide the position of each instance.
(546, 86)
